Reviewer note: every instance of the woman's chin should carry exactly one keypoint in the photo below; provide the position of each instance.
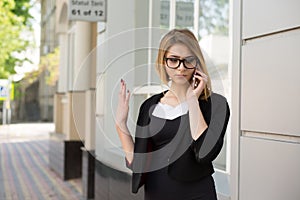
(181, 81)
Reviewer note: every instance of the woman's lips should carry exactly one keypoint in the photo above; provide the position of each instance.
(180, 75)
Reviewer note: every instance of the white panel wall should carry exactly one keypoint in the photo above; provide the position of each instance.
(267, 16)
(119, 44)
(270, 84)
(270, 170)
(116, 42)
(269, 161)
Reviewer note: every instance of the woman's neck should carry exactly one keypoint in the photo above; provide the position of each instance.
(178, 91)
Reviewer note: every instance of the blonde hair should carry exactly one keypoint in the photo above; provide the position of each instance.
(187, 38)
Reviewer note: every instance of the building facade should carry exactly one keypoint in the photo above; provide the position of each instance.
(73, 143)
(245, 63)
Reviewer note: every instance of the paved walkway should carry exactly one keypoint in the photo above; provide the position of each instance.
(25, 132)
(24, 172)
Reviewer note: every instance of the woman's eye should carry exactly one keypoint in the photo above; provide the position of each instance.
(190, 60)
(173, 60)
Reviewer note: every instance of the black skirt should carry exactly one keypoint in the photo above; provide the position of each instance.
(160, 186)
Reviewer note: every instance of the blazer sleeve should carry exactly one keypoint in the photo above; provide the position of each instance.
(209, 144)
(141, 141)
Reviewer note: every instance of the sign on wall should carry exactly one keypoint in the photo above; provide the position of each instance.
(4, 90)
(87, 10)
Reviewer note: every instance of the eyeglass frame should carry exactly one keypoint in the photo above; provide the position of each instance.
(181, 61)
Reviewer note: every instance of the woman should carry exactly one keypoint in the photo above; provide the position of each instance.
(179, 131)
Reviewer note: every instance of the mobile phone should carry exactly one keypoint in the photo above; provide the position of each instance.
(196, 83)
(196, 80)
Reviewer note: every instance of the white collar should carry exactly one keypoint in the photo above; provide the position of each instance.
(166, 111)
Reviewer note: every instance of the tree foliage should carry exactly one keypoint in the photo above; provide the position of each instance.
(22, 8)
(214, 16)
(14, 21)
(50, 63)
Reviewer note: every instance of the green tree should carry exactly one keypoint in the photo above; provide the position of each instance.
(50, 62)
(22, 8)
(14, 22)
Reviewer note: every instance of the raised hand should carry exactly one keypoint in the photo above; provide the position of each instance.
(121, 122)
(123, 106)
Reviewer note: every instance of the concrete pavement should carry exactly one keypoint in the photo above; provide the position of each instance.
(25, 131)
(24, 161)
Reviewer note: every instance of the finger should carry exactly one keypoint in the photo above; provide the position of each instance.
(201, 73)
(201, 78)
(121, 84)
(123, 90)
(127, 97)
(201, 84)
(193, 80)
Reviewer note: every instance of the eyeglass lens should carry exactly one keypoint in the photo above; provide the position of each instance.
(189, 62)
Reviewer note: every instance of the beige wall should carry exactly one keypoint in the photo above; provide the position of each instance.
(76, 83)
(58, 113)
(269, 136)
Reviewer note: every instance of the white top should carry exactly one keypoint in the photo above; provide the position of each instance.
(166, 111)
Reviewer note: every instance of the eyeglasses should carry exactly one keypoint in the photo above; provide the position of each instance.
(188, 62)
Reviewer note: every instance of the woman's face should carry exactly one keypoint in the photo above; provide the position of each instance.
(180, 75)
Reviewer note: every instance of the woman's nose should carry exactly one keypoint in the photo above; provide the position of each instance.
(181, 66)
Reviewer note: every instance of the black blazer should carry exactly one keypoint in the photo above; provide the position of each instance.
(196, 160)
